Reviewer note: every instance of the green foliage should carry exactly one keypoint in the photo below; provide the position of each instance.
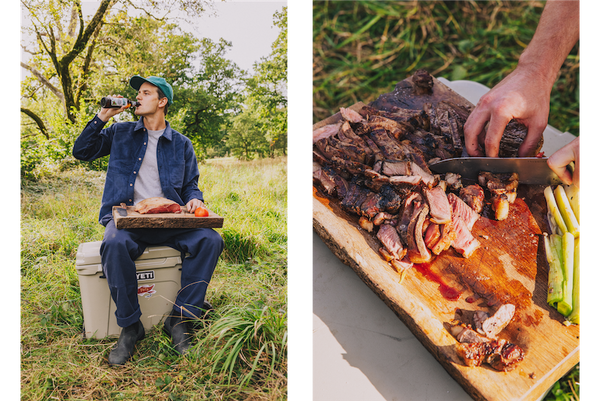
(41, 156)
(567, 388)
(75, 61)
(246, 139)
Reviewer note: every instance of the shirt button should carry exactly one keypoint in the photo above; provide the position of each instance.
(144, 143)
(130, 185)
(135, 172)
(129, 200)
(140, 158)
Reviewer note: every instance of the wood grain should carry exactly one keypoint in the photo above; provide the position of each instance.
(165, 220)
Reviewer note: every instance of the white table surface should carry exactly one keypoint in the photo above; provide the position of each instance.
(361, 349)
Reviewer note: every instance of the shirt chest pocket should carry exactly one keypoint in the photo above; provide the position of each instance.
(175, 163)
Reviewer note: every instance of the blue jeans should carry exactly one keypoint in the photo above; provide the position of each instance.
(120, 249)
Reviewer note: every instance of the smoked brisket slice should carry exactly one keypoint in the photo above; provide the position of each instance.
(439, 207)
(492, 326)
(463, 211)
(388, 236)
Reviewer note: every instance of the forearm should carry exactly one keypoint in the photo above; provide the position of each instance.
(555, 36)
(93, 142)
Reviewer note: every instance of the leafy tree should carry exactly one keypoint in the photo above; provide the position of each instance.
(64, 53)
(268, 89)
(245, 136)
(211, 98)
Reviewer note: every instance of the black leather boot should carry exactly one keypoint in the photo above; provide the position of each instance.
(126, 344)
(179, 330)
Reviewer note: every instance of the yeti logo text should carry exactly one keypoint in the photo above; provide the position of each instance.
(145, 275)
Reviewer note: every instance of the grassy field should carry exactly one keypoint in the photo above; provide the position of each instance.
(363, 48)
(239, 352)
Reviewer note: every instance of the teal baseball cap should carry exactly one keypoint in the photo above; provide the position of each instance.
(136, 81)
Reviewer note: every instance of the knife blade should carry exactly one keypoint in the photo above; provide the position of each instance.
(122, 210)
(531, 170)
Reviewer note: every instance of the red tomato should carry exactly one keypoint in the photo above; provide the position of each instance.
(201, 212)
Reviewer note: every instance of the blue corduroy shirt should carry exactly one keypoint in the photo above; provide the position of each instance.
(126, 144)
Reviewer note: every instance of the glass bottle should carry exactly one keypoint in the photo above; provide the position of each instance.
(109, 102)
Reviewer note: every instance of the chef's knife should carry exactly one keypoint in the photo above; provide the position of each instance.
(122, 210)
(531, 170)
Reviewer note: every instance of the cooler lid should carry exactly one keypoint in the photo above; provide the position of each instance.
(88, 253)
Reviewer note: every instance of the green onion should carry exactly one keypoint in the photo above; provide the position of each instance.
(565, 306)
(574, 316)
(554, 254)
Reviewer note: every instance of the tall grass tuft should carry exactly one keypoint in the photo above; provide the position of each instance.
(247, 341)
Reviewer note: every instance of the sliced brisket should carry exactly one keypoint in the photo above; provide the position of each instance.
(439, 207)
(492, 326)
(390, 240)
(464, 243)
(350, 115)
(417, 250)
(463, 211)
(396, 167)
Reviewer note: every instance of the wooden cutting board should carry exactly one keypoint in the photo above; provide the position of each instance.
(165, 220)
(509, 267)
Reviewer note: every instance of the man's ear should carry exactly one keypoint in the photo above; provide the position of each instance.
(163, 102)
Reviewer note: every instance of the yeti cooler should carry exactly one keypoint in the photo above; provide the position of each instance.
(159, 280)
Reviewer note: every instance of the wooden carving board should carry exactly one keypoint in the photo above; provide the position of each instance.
(509, 267)
(165, 220)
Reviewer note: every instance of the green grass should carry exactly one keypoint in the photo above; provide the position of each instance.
(361, 49)
(60, 211)
(566, 389)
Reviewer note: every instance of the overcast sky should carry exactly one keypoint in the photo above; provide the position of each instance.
(247, 24)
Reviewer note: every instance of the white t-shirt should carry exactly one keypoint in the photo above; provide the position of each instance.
(147, 183)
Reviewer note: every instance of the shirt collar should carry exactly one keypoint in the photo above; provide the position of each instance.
(168, 134)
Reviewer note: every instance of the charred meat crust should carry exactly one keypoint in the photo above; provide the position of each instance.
(376, 162)
(500, 354)
(482, 346)
(473, 196)
(503, 190)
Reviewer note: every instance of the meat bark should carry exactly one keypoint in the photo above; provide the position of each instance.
(473, 196)
(500, 354)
